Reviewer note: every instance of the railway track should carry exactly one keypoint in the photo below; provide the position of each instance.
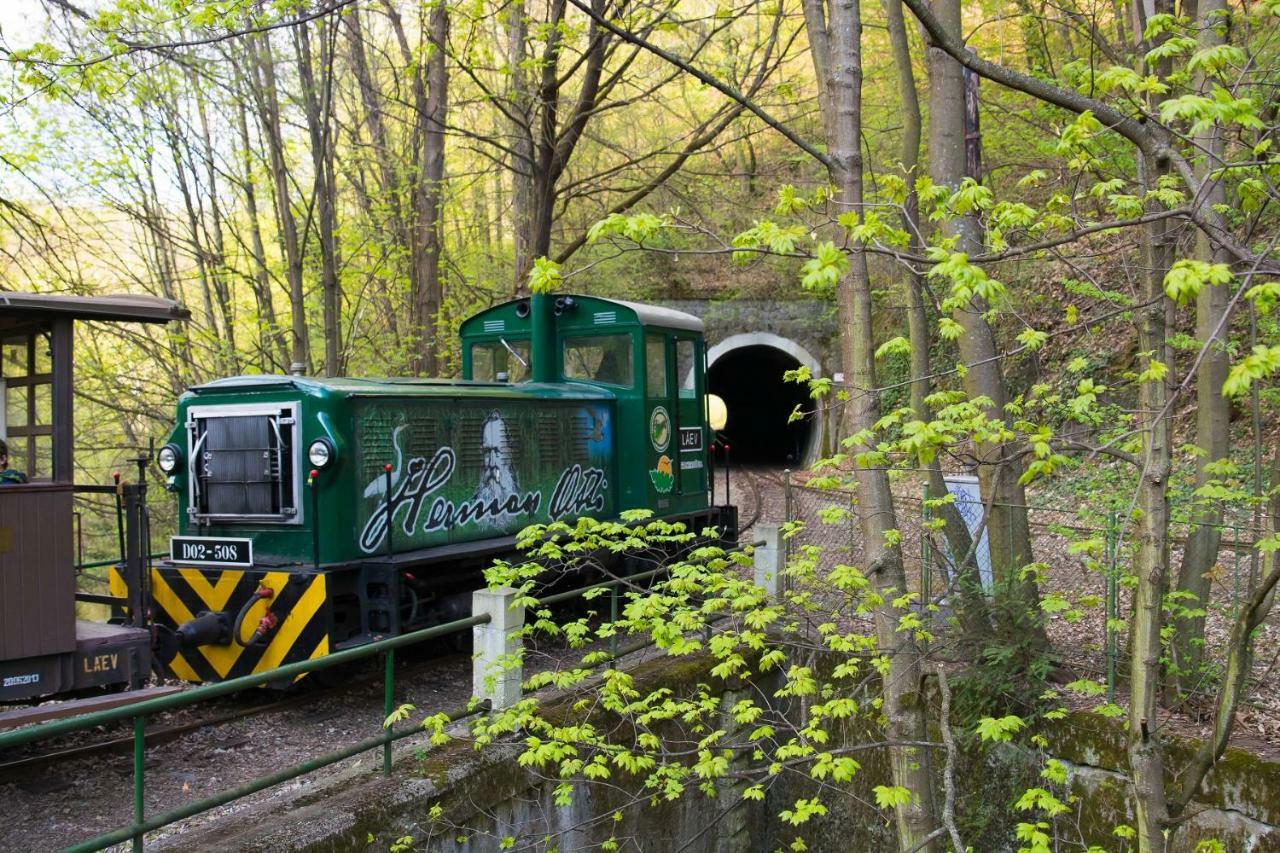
(756, 482)
(12, 769)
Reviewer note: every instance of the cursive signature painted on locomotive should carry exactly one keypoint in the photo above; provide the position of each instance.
(578, 490)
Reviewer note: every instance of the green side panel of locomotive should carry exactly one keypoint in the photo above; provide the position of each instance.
(479, 467)
(245, 469)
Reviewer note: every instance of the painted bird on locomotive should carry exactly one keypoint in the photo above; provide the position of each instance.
(319, 514)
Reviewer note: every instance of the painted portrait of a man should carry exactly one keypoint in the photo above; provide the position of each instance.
(498, 479)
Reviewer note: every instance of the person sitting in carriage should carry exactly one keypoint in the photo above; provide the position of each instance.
(8, 476)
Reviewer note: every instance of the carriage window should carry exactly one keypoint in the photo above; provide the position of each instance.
(26, 373)
(16, 406)
(684, 367)
(600, 358)
(13, 357)
(655, 365)
(42, 467)
(490, 359)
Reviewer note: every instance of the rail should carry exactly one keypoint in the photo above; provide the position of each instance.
(140, 712)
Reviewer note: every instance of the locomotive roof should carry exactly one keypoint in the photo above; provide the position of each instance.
(645, 315)
(656, 315)
(401, 387)
(120, 307)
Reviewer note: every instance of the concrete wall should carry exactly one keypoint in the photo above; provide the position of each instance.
(808, 323)
(485, 796)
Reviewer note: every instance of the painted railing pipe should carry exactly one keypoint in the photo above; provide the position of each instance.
(205, 692)
(261, 783)
(114, 561)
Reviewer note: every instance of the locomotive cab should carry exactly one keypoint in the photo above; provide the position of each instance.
(652, 360)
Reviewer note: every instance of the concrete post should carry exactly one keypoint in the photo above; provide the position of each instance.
(496, 673)
(770, 559)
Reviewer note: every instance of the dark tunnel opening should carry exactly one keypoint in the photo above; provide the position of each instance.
(749, 380)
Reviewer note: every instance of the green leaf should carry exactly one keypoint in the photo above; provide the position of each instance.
(1032, 339)
(890, 797)
(545, 276)
(894, 346)
(1176, 46)
(1216, 58)
(1185, 279)
(822, 272)
(1000, 730)
(1259, 364)
(1264, 296)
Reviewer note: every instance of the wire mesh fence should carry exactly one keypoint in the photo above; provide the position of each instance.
(1082, 560)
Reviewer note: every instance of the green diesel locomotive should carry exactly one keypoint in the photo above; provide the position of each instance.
(318, 514)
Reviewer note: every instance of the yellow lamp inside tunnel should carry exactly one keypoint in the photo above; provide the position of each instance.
(717, 412)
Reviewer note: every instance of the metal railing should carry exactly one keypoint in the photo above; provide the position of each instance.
(140, 712)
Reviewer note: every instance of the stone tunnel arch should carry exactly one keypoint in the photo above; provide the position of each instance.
(746, 371)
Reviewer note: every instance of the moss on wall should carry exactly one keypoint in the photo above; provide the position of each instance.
(487, 795)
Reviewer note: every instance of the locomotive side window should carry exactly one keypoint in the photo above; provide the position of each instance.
(494, 357)
(655, 365)
(684, 367)
(243, 463)
(600, 358)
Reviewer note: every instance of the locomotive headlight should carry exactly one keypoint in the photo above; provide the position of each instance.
(320, 453)
(167, 458)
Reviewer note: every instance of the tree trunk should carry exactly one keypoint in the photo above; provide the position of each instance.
(274, 351)
(430, 101)
(318, 108)
(553, 142)
(1146, 760)
(521, 127)
(218, 257)
(1239, 658)
(975, 622)
(1213, 413)
(430, 193)
(1017, 610)
(904, 704)
(263, 83)
(387, 211)
(173, 141)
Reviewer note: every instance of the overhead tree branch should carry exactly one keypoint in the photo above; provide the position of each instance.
(720, 86)
(1146, 134)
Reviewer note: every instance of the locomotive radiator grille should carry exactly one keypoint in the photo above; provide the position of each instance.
(243, 464)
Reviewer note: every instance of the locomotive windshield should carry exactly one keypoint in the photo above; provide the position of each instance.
(600, 358)
(243, 463)
(501, 356)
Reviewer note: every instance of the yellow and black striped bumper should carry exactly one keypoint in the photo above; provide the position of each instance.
(300, 602)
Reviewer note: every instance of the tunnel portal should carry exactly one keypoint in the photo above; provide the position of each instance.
(749, 380)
